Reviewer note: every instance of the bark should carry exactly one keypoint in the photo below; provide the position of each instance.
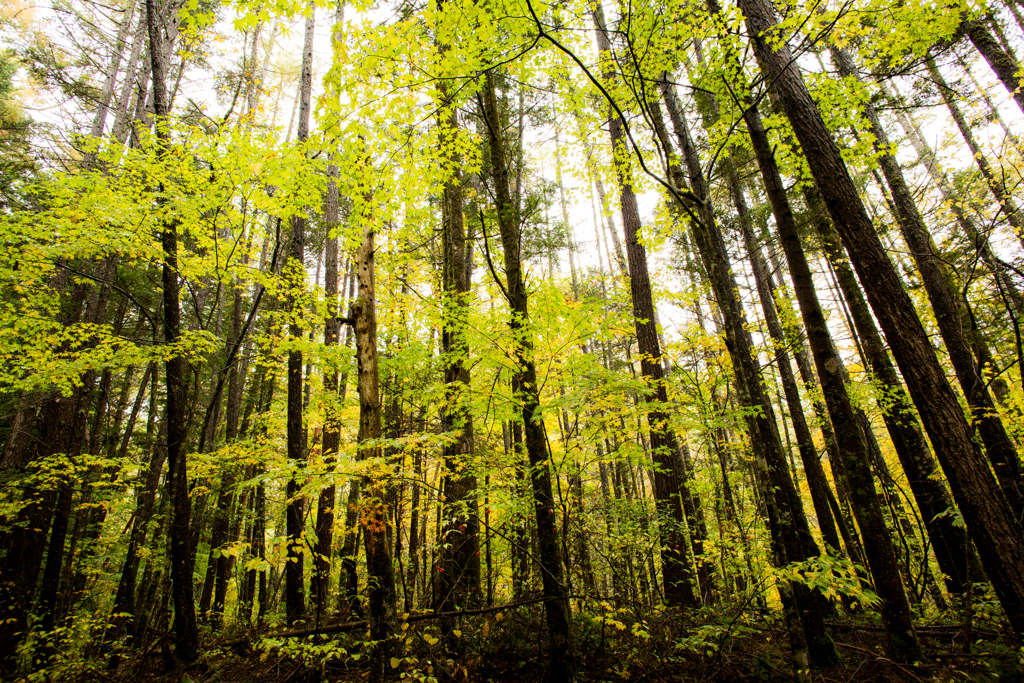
(995, 184)
(949, 308)
(561, 666)
(295, 591)
(333, 398)
(669, 477)
(988, 516)
(182, 561)
(458, 578)
(373, 518)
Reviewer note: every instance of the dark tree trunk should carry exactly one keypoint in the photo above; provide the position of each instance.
(295, 589)
(561, 666)
(669, 476)
(902, 644)
(1002, 61)
(989, 518)
(458, 579)
(949, 541)
(182, 561)
(333, 398)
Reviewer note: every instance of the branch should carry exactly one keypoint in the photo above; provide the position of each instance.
(676, 193)
(356, 625)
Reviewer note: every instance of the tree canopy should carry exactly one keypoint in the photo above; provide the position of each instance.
(511, 340)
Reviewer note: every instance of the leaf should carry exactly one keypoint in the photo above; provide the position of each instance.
(457, 633)
(395, 661)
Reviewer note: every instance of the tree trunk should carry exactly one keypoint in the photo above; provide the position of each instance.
(295, 590)
(376, 489)
(669, 476)
(561, 666)
(459, 563)
(989, 518)
(182, 562)
(333, 398)
(1002, 61)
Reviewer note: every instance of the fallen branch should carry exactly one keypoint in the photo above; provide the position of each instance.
(356, 625)
(946, 630)
(882, 659)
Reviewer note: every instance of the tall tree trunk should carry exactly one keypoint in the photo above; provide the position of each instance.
(376, 490)
(989, 518)
(977, 236)
(561, 666)
(669, 475)
(949, 308)
(182, 561)
(295, 590)
(459, 563)
(333, 398)
(1002, 61)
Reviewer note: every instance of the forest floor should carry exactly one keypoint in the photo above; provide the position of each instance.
(488, 650)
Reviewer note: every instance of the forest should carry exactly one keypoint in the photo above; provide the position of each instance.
(511, 340)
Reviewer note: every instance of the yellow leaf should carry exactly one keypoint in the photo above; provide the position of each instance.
(499, 616)
(458, 633)
(395, 661)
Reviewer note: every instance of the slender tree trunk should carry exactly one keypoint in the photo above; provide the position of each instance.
(1001, 60)
(561, 666)
(182, 561)
(977, 236)
(295, 590)
(669, 475)
(459, 564)
(333, 397)
(373, 516)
